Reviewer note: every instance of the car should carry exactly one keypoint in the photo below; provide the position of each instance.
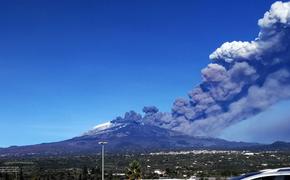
(192, 178)
(267, 174)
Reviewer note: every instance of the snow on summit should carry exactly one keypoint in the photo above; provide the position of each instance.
(103, 126)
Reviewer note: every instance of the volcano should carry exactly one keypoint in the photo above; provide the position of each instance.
(124, 137)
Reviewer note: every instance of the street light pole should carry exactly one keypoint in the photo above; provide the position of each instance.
(103, 143)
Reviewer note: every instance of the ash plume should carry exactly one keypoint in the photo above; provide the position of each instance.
(244, 78)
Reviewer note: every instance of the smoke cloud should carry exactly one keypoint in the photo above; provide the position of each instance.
(244, 79)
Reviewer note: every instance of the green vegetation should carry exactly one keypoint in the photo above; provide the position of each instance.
(134, 170)
(173, 165)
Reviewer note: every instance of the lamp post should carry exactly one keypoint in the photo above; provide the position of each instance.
(103, 143)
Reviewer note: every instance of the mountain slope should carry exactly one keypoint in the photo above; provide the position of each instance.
(123, 137)
(275, 146)
(131, 137)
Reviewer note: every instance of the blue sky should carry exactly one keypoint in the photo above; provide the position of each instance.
(66, 66)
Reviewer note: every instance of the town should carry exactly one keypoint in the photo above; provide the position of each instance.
(201, 164)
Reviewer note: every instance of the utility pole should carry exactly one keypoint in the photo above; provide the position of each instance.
(103, 143)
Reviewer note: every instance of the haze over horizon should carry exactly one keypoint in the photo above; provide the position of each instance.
(69, 65)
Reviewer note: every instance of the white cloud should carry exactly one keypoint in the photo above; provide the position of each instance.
(279, 13)
(230, 51)
(268, 40)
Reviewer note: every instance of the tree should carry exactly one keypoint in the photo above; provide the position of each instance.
(6, 176)
(85, 173)
(21, 177)
(134, 170)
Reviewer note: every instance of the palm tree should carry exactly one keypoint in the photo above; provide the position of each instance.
(21, 177)
(134, 170)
